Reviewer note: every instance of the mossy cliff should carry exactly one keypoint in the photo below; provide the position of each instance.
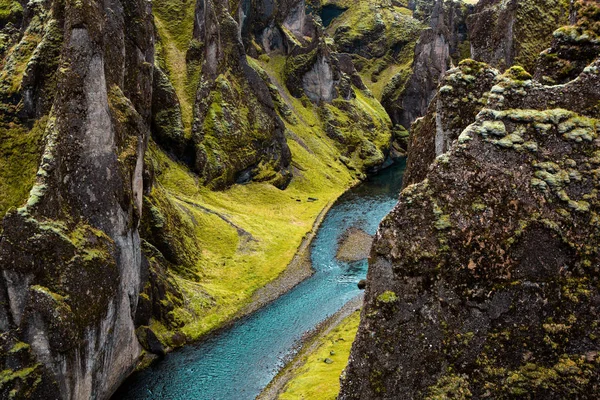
(462, 94)
(483, 281)
(214, 249)
(464, 91)
(505, 33)
(407, 96)
(76, 95)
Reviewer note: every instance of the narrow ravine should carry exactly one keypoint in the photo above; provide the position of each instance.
(239, 362)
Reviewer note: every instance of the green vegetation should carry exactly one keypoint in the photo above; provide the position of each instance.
(174, 22)
(20, 153)
(248, 234)
(10, 10)
(318, 377)
(387, 297)
(244, 236)
(450, 387)
(382, 40)
(536, 20)
(223, 246)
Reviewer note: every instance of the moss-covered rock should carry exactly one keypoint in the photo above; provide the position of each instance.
(505, 33)
(493, 258)
(237, 134)
(463, 93)
(76, 88)
(167, 121)
(573, 47)
(409, 93)
(21, 376)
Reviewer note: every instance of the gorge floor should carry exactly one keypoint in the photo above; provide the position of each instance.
(241, 361)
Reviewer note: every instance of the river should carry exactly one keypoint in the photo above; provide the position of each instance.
(239, 362)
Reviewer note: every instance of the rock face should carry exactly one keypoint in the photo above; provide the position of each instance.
(505, 33)
(462, 95)
(483, 281)
(236, 132)
(71, 258)
(409, 100)
(573, 47)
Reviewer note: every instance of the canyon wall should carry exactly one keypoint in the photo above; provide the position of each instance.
(483, 281)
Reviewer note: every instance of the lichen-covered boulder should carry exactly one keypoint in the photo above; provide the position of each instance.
(484, 279)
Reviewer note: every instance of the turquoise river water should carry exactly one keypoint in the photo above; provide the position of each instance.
(238, 363)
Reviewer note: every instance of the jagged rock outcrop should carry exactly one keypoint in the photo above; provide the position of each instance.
(237, 133)
(573, 47)
(506, 33)
(483, 281)
(274, 26)
(463, 93)
(71, 257)
(406, 98)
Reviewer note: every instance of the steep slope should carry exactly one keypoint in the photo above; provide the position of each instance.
(71, 256)
(407, 98)
(483, 281)
(505, 33)
(213, 250)
(463, 93)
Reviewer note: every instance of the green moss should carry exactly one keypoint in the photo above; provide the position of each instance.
(9, 375)
(174, 21)
(10, 10)
(19, 346)
(450, 386)
(295, 69)
(567, 373)
(382, 39)
(518, 73)
(20, 154)
(387, 297)
(442, 221)
(536, 20)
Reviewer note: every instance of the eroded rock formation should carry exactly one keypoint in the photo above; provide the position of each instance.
(71, 256)
(95, 97)
(483, 281)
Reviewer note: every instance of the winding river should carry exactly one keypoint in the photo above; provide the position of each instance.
(239, 362)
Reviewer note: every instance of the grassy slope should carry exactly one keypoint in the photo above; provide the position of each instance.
(174, 22)
(361, 17)
(316, 379)
(232, 267)
(244, 237)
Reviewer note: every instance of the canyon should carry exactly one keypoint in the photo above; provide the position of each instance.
(163, 163)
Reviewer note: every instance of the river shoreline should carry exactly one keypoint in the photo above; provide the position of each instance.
(308, 344)
(297, 271)
(245, 353)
